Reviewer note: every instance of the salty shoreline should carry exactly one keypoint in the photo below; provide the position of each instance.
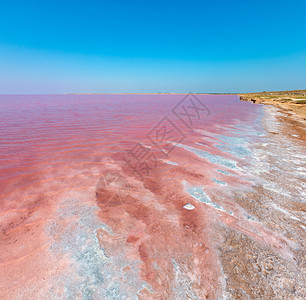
(275, 202)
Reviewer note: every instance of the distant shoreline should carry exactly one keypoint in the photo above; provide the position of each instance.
(291, 92)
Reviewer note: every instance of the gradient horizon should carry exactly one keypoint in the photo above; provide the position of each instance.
(137, 47)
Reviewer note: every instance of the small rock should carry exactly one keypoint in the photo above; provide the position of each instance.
(189, 206)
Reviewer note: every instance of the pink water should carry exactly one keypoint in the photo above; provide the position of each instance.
(43, 134)
(66, 234)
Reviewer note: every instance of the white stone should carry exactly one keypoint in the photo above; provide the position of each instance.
(189, 206)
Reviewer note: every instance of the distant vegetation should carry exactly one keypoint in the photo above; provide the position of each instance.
(300, 102)
(297, 96)
(294, 93)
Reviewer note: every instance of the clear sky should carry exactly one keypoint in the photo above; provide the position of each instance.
(152, 46)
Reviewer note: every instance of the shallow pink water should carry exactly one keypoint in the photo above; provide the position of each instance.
(56, 152)
(38, 133)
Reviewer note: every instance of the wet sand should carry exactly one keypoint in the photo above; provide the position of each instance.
(76, 223)
(262, 272)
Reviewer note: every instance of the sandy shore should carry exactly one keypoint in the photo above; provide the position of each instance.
(291, 102)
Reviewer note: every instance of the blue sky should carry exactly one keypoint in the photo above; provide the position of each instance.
(152, 46)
